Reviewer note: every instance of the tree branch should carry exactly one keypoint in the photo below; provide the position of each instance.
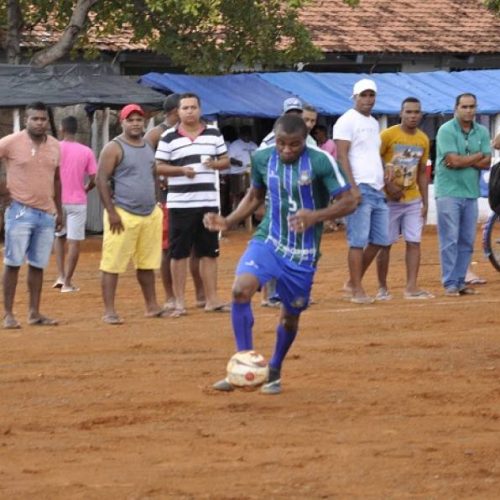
(69, 36)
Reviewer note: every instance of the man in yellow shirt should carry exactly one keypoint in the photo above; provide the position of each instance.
(405, 150)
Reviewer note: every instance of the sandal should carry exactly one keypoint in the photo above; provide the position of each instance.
(177, 313)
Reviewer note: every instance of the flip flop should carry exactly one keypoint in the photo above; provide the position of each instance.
(223, 308)
(420, 295)
(362, 300)
(476, 281)
(112, 319)
(11, 324)
(200, 303)
(58, 283)
(69, 289)
(162, 313)
(169, 305)
(42, 321)
(177, 313)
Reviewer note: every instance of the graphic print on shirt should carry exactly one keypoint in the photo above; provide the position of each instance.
(404, 164)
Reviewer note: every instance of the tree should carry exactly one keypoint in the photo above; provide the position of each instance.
(493, 5)
(204, 36)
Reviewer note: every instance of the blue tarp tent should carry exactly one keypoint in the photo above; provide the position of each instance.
(230, 95)
(261, 94)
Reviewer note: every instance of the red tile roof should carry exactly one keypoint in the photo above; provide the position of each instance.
(393, 26)
(390, 26)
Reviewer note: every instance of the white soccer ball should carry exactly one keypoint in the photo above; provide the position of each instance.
(247, 369)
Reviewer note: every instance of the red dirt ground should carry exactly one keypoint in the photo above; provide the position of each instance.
(392, 400)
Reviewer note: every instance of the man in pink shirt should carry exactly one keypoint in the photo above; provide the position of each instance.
(78, 169)
(34, 212)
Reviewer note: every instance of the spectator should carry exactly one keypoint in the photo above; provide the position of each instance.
(188, 155)
(462, 151)
(132, 219)
(34, 212)
(78, 169)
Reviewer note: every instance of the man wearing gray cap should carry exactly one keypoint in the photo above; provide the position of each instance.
(291, 106)
(356, 135)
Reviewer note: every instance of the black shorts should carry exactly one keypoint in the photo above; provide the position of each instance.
(186, 231)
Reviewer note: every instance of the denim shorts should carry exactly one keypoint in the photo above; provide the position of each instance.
(29, 233)
(369, 223)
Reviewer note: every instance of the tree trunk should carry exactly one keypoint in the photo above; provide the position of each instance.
(68, 38)
(15, 24)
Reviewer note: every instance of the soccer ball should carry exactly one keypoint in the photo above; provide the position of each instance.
(247, 369)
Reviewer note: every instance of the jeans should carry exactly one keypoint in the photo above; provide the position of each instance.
(369, 223)
(456, 224)
(29, 233)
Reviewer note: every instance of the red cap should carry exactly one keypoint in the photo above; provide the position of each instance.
(129, 109)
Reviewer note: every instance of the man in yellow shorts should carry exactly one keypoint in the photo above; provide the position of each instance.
(132, 219)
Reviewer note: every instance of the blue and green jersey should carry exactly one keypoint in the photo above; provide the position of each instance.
(309, 183)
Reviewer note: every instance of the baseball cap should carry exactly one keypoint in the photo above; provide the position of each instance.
(292, 103)
(129, 109)
(362, 85)
(171, 102)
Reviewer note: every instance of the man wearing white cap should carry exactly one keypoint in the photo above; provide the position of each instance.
(356, 135)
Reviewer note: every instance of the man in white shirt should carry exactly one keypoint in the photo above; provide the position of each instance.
(356, 135)
(239, 154)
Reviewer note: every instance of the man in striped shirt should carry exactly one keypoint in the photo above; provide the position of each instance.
(297, 184)
(189, 155)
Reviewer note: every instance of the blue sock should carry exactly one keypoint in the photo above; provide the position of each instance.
(242, 319)
(284, 340)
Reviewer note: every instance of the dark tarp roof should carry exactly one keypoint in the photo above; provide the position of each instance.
(67, 84)
(262, 94)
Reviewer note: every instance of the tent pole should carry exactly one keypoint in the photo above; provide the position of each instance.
(16, 120)
(105, 127)
(496, 130)
(93, 134)
(382, 121)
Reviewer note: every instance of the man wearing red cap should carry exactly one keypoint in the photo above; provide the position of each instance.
(132, 219)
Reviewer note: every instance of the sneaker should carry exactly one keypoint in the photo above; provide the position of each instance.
(273, 384)
(273, 387)
(452, 291)
(223, 385)
(383, 294)
(467, 290)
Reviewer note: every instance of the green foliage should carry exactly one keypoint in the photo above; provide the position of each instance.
(493, 5)
(204, 36)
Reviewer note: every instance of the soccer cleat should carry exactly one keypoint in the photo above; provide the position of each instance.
(223, 385)
(273, 387)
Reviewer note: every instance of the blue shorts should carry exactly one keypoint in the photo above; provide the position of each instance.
(293, 282)
(29, 233)
(369, 223)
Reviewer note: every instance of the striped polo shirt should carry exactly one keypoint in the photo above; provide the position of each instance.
(181, 151)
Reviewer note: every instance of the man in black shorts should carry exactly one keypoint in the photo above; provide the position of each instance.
(189, 155)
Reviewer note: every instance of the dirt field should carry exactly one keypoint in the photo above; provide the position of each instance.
(392, 400)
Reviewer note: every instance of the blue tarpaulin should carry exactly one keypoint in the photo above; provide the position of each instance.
(262, 94)
(230, 95)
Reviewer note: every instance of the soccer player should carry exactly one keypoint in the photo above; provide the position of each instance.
(299, 183)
